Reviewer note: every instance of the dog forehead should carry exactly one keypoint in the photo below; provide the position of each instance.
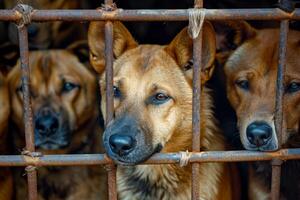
(143, 60)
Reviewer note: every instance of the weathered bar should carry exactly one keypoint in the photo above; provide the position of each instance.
(159, 158)
(276, 166)
(151, 15)
(196, 126)
(112, 184)
(28, 115)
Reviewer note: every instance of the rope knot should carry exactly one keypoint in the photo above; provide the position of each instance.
(25, 11)
(196, 19)
(184, 158)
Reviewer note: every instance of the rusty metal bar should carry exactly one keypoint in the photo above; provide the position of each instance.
(160, 158)
(196, 126)
(151, 15)
(29, 131)
(112, 183)
(276, 167)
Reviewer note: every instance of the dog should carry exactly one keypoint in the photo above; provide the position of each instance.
(6, 179)
(153, 113)
(251, 73)
(64, 102)
(49, 35)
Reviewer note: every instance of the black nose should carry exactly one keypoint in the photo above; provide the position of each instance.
(121, 144)
(259, 133)
(46, 125)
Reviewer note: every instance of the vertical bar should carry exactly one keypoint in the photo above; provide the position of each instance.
(112, 183)
(276, 164)
(29, 132)
(197, 54)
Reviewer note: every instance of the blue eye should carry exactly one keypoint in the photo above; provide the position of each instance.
(68, 86)
(117, 92)
(244, 84)
(293, 87)
(159, 98)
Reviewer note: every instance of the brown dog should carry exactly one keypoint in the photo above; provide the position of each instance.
(153, 113)
(49, 35)
(6, 180)
(63, 95)
(251, 71)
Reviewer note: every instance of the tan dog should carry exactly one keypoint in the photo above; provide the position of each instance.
(153, 113)
(6, 180)
(63, 95)
(251, 72)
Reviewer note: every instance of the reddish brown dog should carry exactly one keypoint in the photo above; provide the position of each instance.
(251, 72)
(63, 94)
(6, 180)
(153, 113)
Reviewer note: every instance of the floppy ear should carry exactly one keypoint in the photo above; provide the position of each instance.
(122, 42)
(81, 49)
(181, 49)
(230, 35)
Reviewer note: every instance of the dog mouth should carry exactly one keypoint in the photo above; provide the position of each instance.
(136, 156)
(48, 143)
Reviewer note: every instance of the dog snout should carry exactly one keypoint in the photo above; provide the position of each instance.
(121, 144)
(259, 133)
(46, 123)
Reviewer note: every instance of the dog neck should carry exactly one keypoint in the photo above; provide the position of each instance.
(172, 181)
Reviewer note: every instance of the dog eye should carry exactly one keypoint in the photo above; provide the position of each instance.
(244, 84)
(160, 98)
(117, 92)
(293, 87)
(68, 86)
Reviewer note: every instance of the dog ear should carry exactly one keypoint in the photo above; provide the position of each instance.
(80, 49)
(122, 40)
(181, 49)
(9, 54)
(230, 35)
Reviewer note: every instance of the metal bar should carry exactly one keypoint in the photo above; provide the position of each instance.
(276, 168)
(196, 126)
(112, 183)
(160, 158)
(29, 132)
(151, 15)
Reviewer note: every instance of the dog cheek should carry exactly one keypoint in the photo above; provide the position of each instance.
(163, 129)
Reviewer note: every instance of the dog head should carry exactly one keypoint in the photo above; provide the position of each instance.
(152, 92)
(251, 74)
(62, 96)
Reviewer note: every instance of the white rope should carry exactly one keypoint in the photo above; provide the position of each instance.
(196, 19)
(184, 158)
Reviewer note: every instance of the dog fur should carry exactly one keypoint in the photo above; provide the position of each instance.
(6, 180)
(63, 86)
(140, 73)
(253, 57)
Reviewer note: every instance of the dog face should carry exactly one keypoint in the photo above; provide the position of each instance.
(152, 92)
(62, 95)
(251, 73)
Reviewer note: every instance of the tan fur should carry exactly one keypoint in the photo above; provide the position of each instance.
(143, 70)
(256, 60)
(6, 182)
(48, 70)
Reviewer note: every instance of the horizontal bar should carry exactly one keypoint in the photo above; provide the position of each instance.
(160, 158)
(150, 15)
